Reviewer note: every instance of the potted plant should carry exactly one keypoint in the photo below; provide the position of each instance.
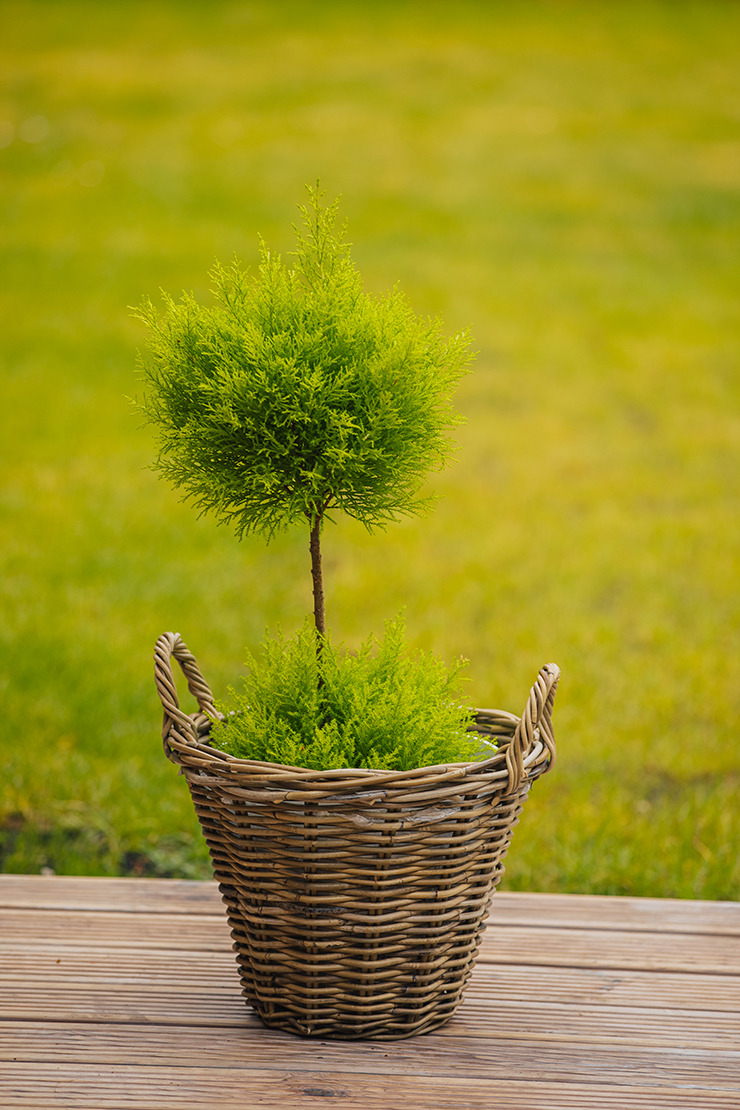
(356, 813)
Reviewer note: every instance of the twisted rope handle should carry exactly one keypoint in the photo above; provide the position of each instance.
(172, 643)
(537, 715)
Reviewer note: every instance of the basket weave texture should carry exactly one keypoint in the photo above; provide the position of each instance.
(356, 898)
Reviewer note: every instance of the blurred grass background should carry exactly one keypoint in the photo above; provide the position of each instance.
(562, 177)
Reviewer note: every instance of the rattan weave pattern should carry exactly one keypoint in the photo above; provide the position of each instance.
(356, 898)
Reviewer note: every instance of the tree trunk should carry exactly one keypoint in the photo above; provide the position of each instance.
(319, 614)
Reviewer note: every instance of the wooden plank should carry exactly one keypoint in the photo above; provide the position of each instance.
(65, 963)
(514, 1020)
(541, 946)
(81, 893)
(603, 948)
(589, 911)
(51, 971)
(553, 1021)
(180, 1000)
(135, 1087)
(583, 986)
(582, 911)
(112, 929)
(557, 1056)
(540, 1021)
(199, 1009)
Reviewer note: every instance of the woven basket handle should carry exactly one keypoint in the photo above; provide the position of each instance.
(172, 643)
(537, 715)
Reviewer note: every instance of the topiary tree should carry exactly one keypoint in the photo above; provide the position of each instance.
(298, 395)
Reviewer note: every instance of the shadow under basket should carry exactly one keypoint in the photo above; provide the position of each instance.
(356, 898)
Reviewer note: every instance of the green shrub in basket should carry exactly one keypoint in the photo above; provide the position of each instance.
(296, 397)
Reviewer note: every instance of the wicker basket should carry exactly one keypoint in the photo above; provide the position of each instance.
(356, 898)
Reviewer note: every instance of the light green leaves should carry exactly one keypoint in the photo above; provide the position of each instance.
(298, 393)
(381, 707)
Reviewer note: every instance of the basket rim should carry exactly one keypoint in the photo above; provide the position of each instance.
(201, 757)
(527, 740)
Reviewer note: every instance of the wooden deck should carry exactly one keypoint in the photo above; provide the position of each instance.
(122, 993)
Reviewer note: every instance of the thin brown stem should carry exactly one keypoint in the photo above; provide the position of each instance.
(319, 612)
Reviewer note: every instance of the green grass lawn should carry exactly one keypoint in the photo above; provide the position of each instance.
(562, 178)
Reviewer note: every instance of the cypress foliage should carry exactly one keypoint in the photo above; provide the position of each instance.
(380, 707)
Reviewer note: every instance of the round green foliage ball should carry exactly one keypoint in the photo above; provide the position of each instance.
(298, 393)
